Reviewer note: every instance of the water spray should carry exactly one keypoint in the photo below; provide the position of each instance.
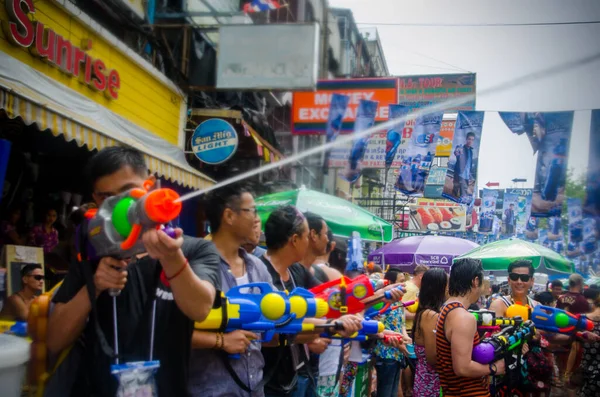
(442, 106)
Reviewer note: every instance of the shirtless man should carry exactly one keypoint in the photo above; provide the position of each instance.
(17, 305)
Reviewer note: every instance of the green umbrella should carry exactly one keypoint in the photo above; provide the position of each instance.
(341, 216)
(498, 255)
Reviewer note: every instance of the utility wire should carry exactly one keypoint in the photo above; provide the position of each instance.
(471, 25)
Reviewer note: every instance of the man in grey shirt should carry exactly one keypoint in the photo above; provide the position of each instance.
(232, 214)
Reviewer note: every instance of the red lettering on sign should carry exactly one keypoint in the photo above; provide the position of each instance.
(20, 32)
(57, 50)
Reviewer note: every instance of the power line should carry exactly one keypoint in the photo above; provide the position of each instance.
(467, 25)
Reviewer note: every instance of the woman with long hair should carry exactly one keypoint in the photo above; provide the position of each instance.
(432, 295)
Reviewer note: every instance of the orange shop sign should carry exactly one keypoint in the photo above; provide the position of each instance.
(310, 110)
(57, 50)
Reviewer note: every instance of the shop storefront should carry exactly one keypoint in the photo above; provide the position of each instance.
(67, 89)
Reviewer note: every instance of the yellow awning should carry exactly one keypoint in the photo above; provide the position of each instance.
(20, 101)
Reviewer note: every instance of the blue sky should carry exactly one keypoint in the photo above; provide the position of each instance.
(498, 54)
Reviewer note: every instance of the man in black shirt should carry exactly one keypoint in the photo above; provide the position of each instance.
(180, 274)
(286, 233)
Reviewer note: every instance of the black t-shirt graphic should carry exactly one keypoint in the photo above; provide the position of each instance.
(173, 330)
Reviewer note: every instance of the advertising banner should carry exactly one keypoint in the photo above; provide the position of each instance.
(337, 109)
(425, 90)
(531, 230)
(543, 238)
(575, 217)
(461, 175)
(417, 159)
(434, 186)
(487, 211)
(523, 208)
(394, 134)
(522, 123)
(509, 214)
(591, 205)
(555, 234)
(437, 216)
(590, 237)
(365, 118)
(551, 171)
(310, 109)
(444, 147)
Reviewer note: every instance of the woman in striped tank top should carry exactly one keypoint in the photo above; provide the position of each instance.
(456, 334)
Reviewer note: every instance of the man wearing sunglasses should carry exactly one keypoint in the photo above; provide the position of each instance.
(520, 281)
(17, 305)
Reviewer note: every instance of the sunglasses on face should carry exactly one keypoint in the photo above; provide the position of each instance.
(516, 276)
(38, 277)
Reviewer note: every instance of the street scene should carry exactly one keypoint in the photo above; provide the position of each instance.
(299, 198)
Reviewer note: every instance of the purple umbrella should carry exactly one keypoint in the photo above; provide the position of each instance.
(434, 251)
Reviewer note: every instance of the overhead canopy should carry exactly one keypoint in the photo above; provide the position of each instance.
(37, 99)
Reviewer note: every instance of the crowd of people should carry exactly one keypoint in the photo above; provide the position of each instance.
(179, 280)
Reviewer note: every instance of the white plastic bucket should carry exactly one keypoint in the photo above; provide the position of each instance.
(14, 354)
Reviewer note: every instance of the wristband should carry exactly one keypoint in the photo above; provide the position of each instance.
(216, 341)
(493, 369)
(179, 271)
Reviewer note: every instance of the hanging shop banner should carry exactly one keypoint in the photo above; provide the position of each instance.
(590, 236)
(592, 200)
(509, 214)
(575, 213)
(365, 118)
(461, 175)
(555, 234)
(522, 123)
(394, 134)
(310, 109)
(551, 171)
(437, 216)
(337, 109)
(425, 90)
(531, 230)
(444, 146)
(416, 162)
(487, 211)
(523, 208)
(543, 238)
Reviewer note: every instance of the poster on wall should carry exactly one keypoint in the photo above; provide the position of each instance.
(437, 216)
(418, 157)
(551, 171)
(461, 175)
(487, 211)
(365, 118)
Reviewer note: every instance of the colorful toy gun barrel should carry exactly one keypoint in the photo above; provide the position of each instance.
(115, 228)
(551, 319)
(488, 319)
(369, 328)
(496, 347)
(383, 308)
(267, 312)
(344, 292)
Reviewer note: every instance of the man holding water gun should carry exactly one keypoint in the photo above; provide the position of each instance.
(231, 212)
(179, 275)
